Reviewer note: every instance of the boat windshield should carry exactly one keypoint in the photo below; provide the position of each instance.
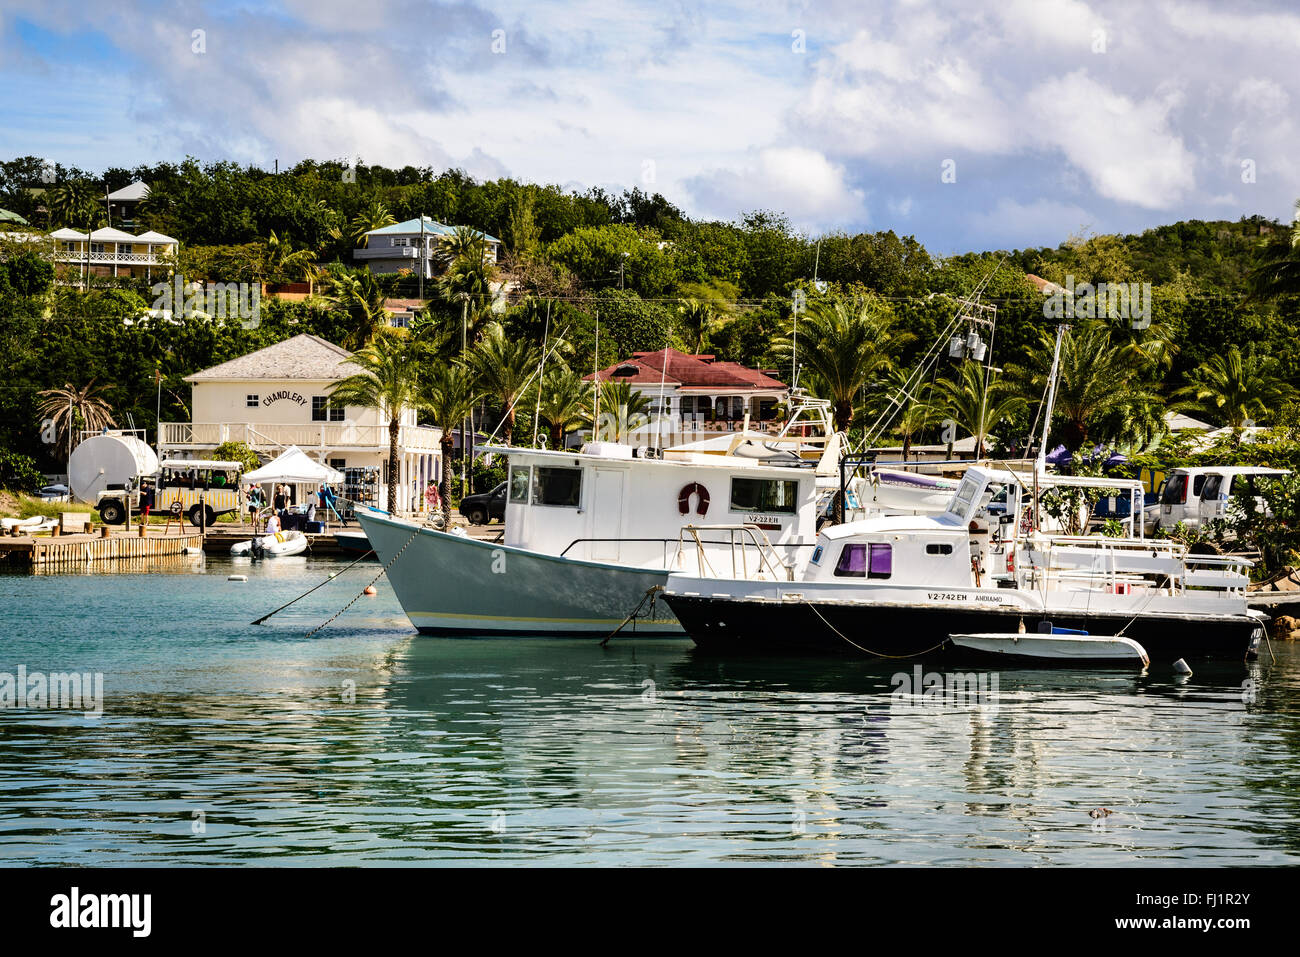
(965, 496)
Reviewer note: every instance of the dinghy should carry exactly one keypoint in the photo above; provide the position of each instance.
(275, 545)
(1059, 646)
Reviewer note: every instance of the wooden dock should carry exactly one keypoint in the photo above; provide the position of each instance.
(67, 551)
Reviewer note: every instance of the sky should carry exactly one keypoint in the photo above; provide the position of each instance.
(969, 124)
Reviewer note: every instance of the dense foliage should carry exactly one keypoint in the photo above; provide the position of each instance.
(609, 275)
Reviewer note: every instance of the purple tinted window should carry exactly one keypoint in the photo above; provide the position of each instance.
(882, 561)
(853, 561)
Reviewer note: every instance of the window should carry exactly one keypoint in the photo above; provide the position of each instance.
(553, 486)
(1197, 482)
(97, 249)
(519, 484)
(764, 495)
(1211, 488)
(865, 560)
(322, 411)
(1175, 492)
(251, 400)
(938, 549)
(339, 464)
(401, 242)
(966, 493)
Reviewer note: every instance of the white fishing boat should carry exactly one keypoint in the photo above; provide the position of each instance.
(1056, 647)
(588, 533)
(275, 545)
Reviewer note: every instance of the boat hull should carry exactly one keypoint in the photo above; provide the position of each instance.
(901, 630)
(458, 586)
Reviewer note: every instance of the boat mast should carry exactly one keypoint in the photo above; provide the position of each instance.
(1040, 463)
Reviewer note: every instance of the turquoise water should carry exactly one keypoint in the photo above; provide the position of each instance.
(225, 743)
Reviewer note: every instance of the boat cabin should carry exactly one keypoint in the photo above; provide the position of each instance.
(612, 503)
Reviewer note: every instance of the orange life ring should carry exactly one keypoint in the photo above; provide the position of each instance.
(684, 498)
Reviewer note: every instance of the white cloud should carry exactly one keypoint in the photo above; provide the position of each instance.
(801, 182)
(1125, 146)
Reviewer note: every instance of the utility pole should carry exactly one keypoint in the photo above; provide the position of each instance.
(422, 258)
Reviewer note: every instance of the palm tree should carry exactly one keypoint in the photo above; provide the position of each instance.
(622, 410)
(356, 294)
(565, 403)
(389, 383)
(1236, 386)
(448, 393)
(966, 402)
(463, 242)
(697, 318)
(843, 346)
(504, 368)
(75, 203)
(282, 261)
(374, 216)
(1278, 271)
(1101, 392)
(73, 410)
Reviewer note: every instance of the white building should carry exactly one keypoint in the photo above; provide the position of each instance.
(114, 253)
(404, 246)
(279, 396)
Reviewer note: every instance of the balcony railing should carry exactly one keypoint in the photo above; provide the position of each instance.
(313, 435)
(102, 258)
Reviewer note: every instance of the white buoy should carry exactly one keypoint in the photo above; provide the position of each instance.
(237, 578)
(1181, 667)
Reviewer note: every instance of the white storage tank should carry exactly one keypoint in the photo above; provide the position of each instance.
(109, 460)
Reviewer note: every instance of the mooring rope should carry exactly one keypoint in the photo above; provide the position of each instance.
(652, 594)
(368, 553)
(868, 650)
(383, 571)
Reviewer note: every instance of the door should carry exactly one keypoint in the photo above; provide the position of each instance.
(606, 515)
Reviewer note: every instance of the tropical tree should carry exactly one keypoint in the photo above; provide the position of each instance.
(621, 410)
(565, 403)
(374, 216)
(504, 368)
(388, 383)
(1278, 269)
(281, 262)
(1236, 387)
(74, 410)
(697, 319)
(448, 393)
(842, 345)
(1101, 393)
(75, 203)
(463, 242)
(975, 401)
(357, 295)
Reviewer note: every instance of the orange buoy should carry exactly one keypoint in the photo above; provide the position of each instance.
(370, 590)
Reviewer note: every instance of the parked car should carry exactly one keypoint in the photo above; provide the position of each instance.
(482, 508)
(1119, 506)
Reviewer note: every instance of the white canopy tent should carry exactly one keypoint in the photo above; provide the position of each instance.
(293, 465)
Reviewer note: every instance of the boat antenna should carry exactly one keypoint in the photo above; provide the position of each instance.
(541, 373)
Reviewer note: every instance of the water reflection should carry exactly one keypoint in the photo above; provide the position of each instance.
(367, 744)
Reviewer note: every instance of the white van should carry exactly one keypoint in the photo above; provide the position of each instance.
(1197, 495)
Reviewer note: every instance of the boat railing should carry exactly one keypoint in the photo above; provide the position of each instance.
(1120, 572)
(674, 545)
(743, 541)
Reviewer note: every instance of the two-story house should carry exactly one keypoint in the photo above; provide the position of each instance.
(113, 252)
(412, 244)
(279, 396)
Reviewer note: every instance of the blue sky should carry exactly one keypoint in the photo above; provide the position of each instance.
(1051, 117)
